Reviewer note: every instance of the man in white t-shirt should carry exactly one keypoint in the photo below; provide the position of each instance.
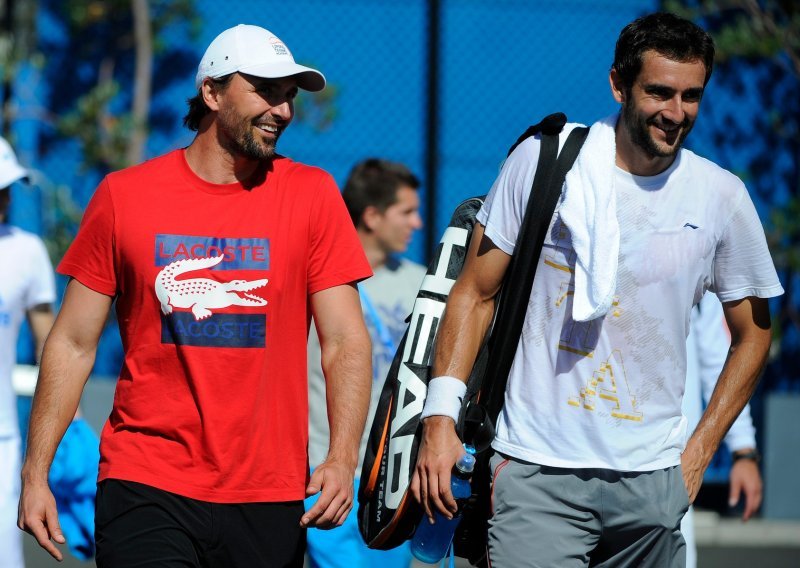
(382, 199)
(26, 290)
(591, 465)
(706, 350)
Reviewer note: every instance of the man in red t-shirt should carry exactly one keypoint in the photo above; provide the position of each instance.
(217, 256)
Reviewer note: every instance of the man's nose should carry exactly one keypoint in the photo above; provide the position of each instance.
(674, 111)
(283, 110)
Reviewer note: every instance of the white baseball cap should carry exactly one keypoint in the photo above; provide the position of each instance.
(254, 51)
(10, 170)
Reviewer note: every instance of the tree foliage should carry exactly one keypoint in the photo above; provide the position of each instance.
(119, 49)
(748, 28)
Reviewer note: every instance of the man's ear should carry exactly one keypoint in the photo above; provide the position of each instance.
(210, 93)
(371, 217)
(617, 86)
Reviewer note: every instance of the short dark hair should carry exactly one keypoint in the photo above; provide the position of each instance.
(197, 106)
(374, 182)
(668, 35)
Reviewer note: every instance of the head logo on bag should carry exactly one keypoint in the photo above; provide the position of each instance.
(387, 513)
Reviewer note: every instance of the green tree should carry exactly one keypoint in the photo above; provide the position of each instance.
(16, 45)
(113, 35)
(748, 28)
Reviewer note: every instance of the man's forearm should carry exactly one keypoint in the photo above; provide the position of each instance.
(470, 307)
(734, 388)
(463, 328)
(63, 374)
(347, 367)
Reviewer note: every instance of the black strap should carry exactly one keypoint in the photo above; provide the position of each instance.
(517, 285)
(476, 422)
(551, 125)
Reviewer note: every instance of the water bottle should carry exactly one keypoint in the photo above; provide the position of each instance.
(431, 541)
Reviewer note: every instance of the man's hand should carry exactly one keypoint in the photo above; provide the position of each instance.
(335, 480)
(693, 466)
(439, 451)
(38, 516)
(745, 479)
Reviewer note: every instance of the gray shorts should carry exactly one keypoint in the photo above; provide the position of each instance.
(548, 516)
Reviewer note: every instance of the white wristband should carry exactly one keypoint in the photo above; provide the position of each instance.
(444, 398)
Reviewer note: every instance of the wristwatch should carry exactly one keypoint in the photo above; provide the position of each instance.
(747, 455)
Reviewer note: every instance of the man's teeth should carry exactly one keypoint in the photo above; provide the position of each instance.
(267, 128)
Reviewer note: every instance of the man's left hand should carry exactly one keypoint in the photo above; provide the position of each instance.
(693, 466)
(335, 480)
(745, 479)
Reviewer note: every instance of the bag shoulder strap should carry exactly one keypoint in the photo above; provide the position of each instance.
(551, 125)
(551, 171)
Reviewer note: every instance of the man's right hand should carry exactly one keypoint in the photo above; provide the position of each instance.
(335, 480)
(439, 451)
(39, 517)
(745, 479)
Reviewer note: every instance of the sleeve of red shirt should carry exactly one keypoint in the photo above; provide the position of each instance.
(336, 255)
(90, 258)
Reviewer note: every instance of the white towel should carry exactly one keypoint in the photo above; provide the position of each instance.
(589, 210)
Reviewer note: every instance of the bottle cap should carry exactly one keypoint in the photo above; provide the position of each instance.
(466, 463)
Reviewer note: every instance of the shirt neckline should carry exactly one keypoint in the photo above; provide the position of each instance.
(657, 181)
(217, 188)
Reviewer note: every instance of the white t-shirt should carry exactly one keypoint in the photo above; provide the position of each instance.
(706, 350)
(26, 280)
(607, 393)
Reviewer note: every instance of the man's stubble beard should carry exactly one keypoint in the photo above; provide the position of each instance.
(639, 133)
(238, 137)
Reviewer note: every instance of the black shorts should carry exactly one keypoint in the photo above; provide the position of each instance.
(140, 526)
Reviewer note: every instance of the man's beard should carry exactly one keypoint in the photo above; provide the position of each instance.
(639, 132)
(238, 137)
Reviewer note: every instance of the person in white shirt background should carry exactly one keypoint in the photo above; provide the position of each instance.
(27, 289)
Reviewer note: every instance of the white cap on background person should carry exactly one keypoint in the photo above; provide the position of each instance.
(10, 170)
(252, 50)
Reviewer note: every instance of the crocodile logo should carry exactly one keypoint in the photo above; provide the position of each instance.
(202, 295)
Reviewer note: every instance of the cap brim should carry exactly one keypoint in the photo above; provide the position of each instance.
(307, 78)
(11, 174)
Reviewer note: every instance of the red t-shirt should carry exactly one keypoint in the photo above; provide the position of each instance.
(212, 285)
